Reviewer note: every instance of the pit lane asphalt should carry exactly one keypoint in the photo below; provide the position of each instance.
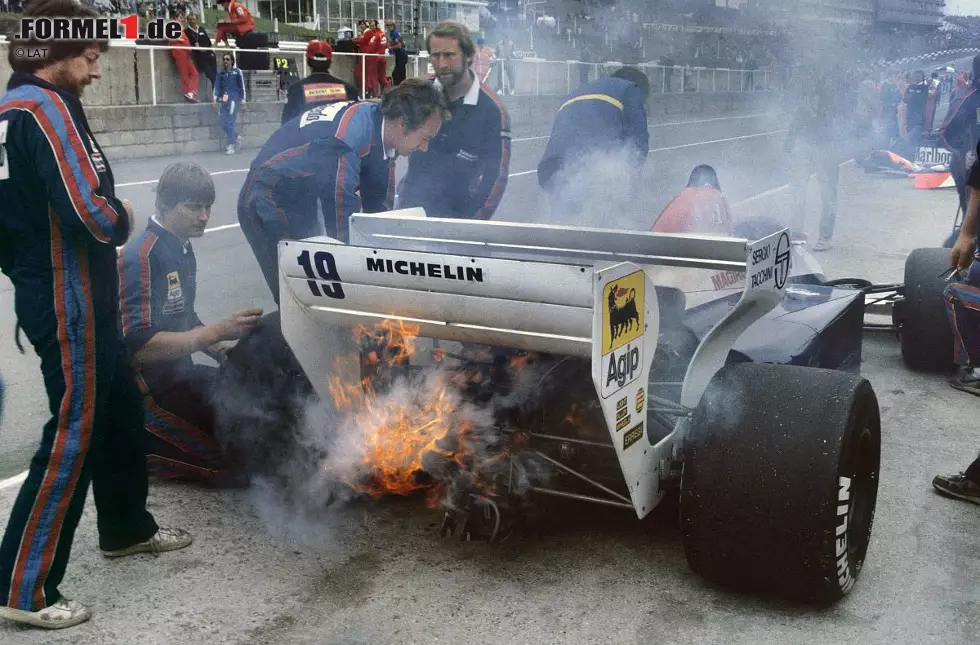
(380, 574)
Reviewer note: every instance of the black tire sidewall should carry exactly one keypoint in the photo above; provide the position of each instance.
(841, 577)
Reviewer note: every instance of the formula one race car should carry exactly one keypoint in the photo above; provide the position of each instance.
(588, 360)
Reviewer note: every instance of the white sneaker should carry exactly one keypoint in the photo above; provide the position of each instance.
(823, 245)
(62, 614)
(230, 150)
(162, 541)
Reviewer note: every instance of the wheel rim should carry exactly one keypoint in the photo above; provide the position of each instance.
(862, 507)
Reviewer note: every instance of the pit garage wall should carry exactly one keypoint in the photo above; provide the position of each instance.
(128, 126)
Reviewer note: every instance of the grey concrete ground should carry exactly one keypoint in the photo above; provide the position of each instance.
(380, 574)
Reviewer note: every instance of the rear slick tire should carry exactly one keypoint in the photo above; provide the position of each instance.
(780, 481)
(927, 338)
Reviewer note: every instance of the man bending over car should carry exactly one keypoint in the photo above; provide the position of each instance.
(158, 288)
(963, 309)
(341, 154)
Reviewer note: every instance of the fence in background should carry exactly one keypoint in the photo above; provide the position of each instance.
(146, 74)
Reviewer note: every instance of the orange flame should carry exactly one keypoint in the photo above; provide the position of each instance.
(396, 433)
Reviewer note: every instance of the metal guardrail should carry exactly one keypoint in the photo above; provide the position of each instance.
(549, 77)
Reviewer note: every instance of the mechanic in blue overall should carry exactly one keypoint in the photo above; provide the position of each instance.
(341, 154)
(59, 228)
(319, 87)
(598, 148)
(162, 330)
(960, 134)
(229, 94)
(465, 171)
(963, 310)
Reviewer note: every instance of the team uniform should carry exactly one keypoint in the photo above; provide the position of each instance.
(186, 69)
(316, 89)
(699, 210)
(598, 146)
(465, 171)
(332, 153)
(59, 228)
(158, 289)
(229, 92)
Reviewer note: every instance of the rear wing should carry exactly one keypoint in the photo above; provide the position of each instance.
(560, 290)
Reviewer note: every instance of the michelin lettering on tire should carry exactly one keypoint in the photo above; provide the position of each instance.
(844, 578)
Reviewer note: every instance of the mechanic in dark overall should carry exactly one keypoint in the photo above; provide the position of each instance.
(960, 134)
(916, 102)
(341, 154)
(598, 147)
(162, 330)
(59, 228)
(465, 170)
(963, 310)
(320, 86)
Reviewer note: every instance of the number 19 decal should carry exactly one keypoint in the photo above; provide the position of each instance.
(326, 269)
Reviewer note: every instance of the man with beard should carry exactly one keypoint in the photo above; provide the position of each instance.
(160, 326)
(319, 87)
(464, 172)
(341, 154)
(59, 229)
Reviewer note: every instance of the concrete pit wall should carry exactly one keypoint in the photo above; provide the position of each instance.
(128, 132)
(127, 125)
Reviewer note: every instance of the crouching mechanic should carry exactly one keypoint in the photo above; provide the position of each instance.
(701, 208)
(158, 289)
(319, 87)
(598, 147)
(341, 154)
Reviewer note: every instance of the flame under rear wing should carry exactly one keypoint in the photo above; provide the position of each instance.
(560, 290)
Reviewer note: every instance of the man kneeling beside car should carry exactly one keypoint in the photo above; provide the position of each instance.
(158, 288)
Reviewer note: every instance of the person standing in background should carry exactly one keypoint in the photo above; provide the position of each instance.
(229, 95)
(380, 48)
(891, 97)
(508, 81)
(204, 58)
(400, 72)
(186, 69)
(366, 70)
(483, 61)
(319, 87)
(916, 100)
(823, 124)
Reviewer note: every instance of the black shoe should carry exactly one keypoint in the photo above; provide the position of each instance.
(967, 381)
(958, 486)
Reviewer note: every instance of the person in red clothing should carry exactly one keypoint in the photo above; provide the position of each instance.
(239, 23)
(186, 69)
(380, 62)
(701, 208)
(367, 79)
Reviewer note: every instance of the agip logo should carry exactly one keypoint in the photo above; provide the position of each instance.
(623, 325)
(622, 311)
